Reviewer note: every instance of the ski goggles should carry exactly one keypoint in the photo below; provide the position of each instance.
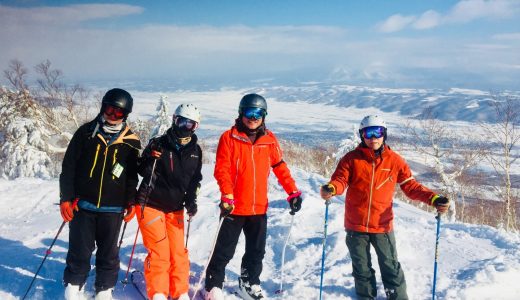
(373, 131)
(116, 112)
(185, 123)
(256, 113)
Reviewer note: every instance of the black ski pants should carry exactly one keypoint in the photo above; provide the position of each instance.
(86, 230)
(358, 244)
(255, 231)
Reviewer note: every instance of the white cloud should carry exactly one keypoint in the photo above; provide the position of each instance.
(507, 36)
(395, 23)
(463, 12)
(427, 20)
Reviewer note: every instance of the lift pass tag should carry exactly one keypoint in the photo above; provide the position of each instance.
(117, 170)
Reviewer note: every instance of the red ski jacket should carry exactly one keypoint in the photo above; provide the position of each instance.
(371, 181)
(242, 169)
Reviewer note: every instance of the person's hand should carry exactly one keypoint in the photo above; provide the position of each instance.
(129, 213)
(191, 208)
(327, 191)
(295, 202)
(441, 203)
(155, 150)
(67, 209)
(227, 205)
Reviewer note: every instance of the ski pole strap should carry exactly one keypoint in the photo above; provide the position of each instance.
(227, 200)
(293, 195)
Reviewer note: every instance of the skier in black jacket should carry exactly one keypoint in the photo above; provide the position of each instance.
(176, 179)
(97, 183)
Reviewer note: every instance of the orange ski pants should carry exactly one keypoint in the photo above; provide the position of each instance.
(167, 267)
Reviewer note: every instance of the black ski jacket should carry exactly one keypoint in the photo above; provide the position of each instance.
(177, 174)
(101, 172)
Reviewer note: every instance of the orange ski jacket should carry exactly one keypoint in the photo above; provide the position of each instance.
(242, 169)
(371, 181)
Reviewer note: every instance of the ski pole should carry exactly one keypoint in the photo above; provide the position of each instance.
(188, 233)
(125, 281)
(148, 190)
(283, 253)
(209, 258)
(438, 217)
(327, 202)
(44, 258)
(122, 235)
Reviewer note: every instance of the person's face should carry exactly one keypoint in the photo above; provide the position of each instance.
(373, 137)
(374, 143)
(251, 123)
(113, 115)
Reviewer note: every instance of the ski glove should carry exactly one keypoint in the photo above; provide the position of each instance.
(155, 149)
(191, 208)
(441, 203)
(327, 191)
(67, 209)
(226, 206)
(129, 213)
(295, 202)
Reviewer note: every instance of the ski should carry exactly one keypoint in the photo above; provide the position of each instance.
(136, 284)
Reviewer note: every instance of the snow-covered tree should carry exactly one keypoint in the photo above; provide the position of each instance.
(24, 146)
(449, 154)
(345, 146)
(505, 136)
(163, 119)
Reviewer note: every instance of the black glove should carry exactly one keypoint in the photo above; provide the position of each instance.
(191, 208)
(295, 202)
(155, 149)
(441, 203)
(226, 206)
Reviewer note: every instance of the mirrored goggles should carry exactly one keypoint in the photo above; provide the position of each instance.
(373, 131)
(256, 113)
(114, 111)
(185, 123)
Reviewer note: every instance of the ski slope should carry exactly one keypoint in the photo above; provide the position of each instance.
(475, 262)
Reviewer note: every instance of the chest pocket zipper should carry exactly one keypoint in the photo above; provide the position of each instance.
(385, 181)
(95, 160)
(114, 162)
(171, 161)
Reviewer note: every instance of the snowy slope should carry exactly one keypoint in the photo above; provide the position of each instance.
(475, 262)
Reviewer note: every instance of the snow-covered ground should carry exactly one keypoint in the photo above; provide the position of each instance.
(475, 262)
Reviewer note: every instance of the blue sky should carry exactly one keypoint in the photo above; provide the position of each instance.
(471, 43)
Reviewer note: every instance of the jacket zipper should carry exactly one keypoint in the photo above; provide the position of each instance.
(95, 160)
(371, 189)
(236, 173)
(254, 177)
(171, 162)
(102, 173)
(382, 183)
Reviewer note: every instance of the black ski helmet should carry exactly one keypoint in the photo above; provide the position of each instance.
(252, 100)
(118, 98)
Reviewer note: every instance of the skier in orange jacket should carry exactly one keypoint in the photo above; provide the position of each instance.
(370, 173)
(246, 153)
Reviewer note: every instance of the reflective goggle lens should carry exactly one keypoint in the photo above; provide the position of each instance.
(114, 111)
(373, 131)
(256, 113)
(185, 123)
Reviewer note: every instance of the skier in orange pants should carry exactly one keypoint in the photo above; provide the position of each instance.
(174, 162)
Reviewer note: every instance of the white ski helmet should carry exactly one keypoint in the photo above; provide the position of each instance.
(188, 111)
(370, 121)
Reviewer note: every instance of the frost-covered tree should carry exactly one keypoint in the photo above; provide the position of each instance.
(449, 154)
(505, 136)
(24, 147)
(162, 119)
(345, 146)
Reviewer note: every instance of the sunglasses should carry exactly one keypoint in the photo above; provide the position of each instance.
(185, 123)
(373, 131)
(114, 111)
(256, 113)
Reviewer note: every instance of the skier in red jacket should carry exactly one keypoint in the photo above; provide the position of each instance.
(369, 173)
